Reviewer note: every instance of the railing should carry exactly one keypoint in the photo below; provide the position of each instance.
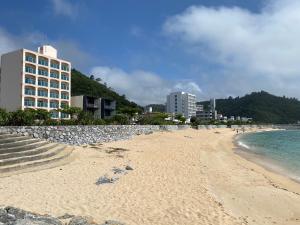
(43, 62)
(29, 92)
(43, 72)
(30, 70)
(55, 66)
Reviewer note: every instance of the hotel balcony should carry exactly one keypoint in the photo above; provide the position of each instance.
(29, 91)
(54, 104)
(31, 58)
(43, 61)
(30, 80)
(54, 84)
(54, 94)
(54, 114)
(54, 74)
(42, 82)
(43, 92)
(54, 64)
(65, 77)
(42, 103)
(64, 95)
(43, 72)
(29, 102)
(65, 67)
(30, 69)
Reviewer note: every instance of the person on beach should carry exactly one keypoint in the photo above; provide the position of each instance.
(237, 131)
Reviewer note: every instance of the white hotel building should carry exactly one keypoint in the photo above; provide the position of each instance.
(37, 80)
(182, 103)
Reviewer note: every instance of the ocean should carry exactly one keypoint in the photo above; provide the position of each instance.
(276, 150)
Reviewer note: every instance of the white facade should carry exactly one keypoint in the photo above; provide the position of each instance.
(182, 103)
(37, 80)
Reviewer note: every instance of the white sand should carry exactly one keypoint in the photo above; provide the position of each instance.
(183, 177)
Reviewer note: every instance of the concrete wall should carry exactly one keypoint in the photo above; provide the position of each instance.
(11, 80)
(78, 135)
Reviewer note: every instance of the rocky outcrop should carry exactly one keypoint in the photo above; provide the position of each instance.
(15, 216)
(79, 135)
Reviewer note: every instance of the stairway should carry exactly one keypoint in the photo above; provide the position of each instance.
(23, 154)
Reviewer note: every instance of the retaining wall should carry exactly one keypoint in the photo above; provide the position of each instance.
(78, 135)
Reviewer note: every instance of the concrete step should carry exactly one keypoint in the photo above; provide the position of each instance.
(30, 152)
(13, 139)
(31, 165)
(22, 148)
(52, 152)
(17, 143)
(7, 135)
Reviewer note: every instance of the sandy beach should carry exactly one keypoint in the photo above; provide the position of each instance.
(183, 177)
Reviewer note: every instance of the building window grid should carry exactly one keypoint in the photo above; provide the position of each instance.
(30, 58)
(43, 62)
(54, 75)
(29, 69)
(54, 84)
(54, 95)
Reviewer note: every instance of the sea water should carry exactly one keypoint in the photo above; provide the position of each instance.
(276, 150)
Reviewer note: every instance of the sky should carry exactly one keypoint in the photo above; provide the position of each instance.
(146, 49)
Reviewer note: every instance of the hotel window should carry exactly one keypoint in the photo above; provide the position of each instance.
(30, 58)
(53, 105)
(29, 102)
(42, 104)
(43, 72)
(42, 93)
(54, 95)
(43, 62)
(64, 67)
(29, 80)
(64, 77)
(64, 115)
(54, 84)
(29, 91)
(54, 114)
(54, 75)
(43, 83)
(64, 86)
(64, 96)
(29, 69)
(55, 65)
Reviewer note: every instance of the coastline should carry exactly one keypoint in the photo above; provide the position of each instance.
(180, 177)
(271, 165)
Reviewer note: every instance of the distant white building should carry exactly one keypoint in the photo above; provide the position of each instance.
(182, 103)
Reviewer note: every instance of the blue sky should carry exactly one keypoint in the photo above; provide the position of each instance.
(145, 49)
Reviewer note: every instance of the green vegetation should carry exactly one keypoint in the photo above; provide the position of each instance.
(154, 119)
(262, 107)
(84, 85)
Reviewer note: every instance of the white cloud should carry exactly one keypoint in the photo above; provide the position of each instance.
(141, 86)
(246, 44)
(67, 49)
(65, 8)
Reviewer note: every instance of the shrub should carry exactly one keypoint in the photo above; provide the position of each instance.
(4, 117)
(22, 117)
(118, 119)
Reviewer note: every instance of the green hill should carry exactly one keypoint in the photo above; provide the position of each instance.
(262, 107)
(83, 85)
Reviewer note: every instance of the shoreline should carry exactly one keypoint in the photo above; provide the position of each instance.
(261, 160)
(179, 177)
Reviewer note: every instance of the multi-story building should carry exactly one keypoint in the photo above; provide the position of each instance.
(37, 80)
(182, 103)
(98, 107)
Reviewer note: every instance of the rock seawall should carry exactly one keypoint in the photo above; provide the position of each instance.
(79, 135)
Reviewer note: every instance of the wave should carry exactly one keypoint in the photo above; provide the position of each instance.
(243, 145)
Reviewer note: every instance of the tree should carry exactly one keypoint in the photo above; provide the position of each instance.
(180, 117)
(92, 77)
(98, 79)
(42, 114)
(72, 111)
